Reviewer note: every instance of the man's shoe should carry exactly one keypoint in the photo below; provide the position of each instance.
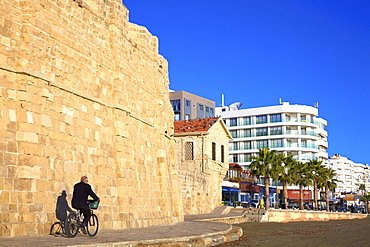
(83, 229)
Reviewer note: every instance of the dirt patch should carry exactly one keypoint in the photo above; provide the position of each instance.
(309, 233)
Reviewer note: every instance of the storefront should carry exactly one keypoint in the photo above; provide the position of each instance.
(230, 196)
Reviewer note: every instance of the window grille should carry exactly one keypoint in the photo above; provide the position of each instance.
(189, 151)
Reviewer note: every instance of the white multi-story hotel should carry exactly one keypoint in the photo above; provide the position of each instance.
(291, 129)
(350, 175)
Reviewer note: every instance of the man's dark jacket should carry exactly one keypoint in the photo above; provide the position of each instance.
(81, 191)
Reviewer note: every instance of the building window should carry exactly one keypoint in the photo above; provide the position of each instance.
(233, 122)
(177, 116)
(200, 113)
(213, 151)
(189, 151)
(235, 146)
(276, 143)
(234, 133)
(175, 105)
(235, 158)
(187, 117)
(247, 121)
(262, 144)
(222, 153)
(304, 144)
(211, 111)
(275, 118)
(246, 133)
(276, 130)
(245, 158)
(187, 103)
(207, 109)
(261, 132)
(261, 119)
(304, 118)
(247, 145)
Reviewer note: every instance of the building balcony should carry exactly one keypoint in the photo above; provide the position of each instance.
(275, 134)
(323, 155)
(293, 120)
(290, 146)
(322, 132)
(322, 143)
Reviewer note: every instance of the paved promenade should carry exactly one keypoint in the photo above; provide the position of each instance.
(192, 232)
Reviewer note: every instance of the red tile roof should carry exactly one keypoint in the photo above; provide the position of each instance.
(194, 125)
(235, 166)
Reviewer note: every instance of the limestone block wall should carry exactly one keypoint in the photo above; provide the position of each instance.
(290, 216)
(200, 179)
(83, 92)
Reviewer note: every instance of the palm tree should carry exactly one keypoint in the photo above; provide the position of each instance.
(362, 187)
(316, 167)
(300, 174)
(328, 182)
(261, 166)
(284, 164)
(364, 195)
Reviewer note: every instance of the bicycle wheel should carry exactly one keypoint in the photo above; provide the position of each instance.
(57, 229)
(93, 225)
(72, 225)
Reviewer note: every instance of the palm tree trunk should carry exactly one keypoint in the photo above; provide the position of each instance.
(285, 194)
(315, 195)
(327, 199)
(301, 197)
(267, 192)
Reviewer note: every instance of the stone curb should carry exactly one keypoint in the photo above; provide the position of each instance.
(212, 239)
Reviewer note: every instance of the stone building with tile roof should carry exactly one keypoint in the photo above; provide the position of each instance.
(202, 153)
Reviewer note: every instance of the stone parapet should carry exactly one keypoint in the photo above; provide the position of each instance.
(278, 215)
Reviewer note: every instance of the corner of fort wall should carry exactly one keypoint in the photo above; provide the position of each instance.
(83, 92)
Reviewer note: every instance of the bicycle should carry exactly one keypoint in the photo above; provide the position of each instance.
(74, 220)
(57, 228)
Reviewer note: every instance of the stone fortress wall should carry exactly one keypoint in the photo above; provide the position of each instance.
(83, 92)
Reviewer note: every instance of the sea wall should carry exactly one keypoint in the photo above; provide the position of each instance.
(298, 215)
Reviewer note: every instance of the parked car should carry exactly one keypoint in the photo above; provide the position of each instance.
(254, 203)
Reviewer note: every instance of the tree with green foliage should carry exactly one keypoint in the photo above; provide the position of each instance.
(284, 173)
(316, 169)
(365, 196)
(328, 182)
(262, 166)
(301, 176)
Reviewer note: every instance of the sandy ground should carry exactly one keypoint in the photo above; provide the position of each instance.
(309, 233)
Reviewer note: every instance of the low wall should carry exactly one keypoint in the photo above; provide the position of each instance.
(277, 215)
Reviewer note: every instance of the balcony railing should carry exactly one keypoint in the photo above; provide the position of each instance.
(287, 119)
(274, 133)
(272, 145)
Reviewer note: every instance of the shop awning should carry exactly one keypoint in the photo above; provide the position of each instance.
(230, 189)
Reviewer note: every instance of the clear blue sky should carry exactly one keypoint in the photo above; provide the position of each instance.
(256, 52)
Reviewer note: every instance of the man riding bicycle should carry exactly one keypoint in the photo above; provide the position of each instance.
(81, 191)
